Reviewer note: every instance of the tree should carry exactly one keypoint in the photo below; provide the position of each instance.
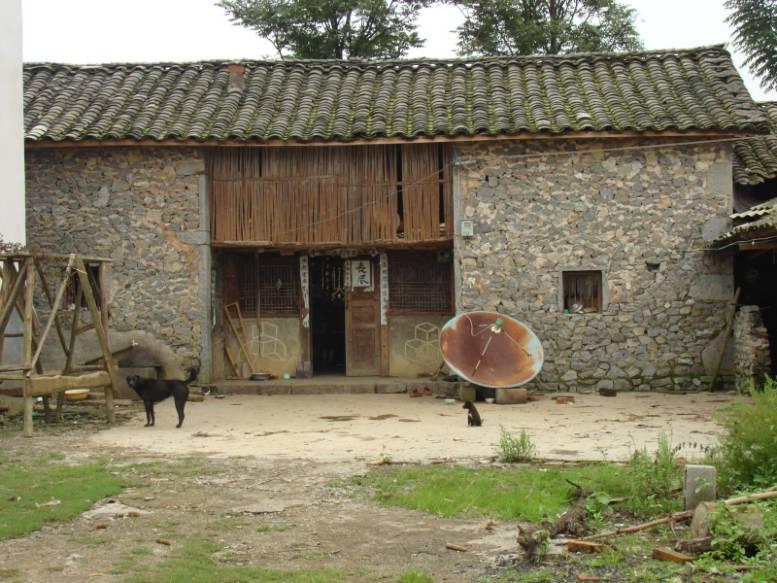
(332, 29)
(526, 27)
(755, 34)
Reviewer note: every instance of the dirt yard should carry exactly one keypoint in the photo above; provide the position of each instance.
(267, 478)
(354, 428)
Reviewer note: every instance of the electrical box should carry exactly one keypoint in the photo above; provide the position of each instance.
(467, 229)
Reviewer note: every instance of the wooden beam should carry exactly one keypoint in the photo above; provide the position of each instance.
(102, 335)
(45, 284)
(8, 367)
(10, 299)
(53, 313)
(278, 143)
(765, 246)
(12, 377)
(21, 255)
(70, 352)
(29, 298)
(48, 384)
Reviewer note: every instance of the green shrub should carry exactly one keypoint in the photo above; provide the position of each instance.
(653, 481)
(512, 449)
(747, 456)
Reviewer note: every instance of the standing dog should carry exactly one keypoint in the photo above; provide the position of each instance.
(473, 417)
(155, 390)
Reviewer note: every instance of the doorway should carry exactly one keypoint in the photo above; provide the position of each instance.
(327, 314)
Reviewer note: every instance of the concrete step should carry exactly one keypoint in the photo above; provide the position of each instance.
(329, 386)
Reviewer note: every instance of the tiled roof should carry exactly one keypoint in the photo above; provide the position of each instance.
(755, 160)
(693, 89)
(760, 219)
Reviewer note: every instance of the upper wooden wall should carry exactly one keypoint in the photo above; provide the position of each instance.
(339, 195)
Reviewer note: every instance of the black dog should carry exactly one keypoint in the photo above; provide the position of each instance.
(473, 417)
(155, 390)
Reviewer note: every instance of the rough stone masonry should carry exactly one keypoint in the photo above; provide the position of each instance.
(641, 216)
(140, 208)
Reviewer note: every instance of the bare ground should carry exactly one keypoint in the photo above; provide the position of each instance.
(258, 474)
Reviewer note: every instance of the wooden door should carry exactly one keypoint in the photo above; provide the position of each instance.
(362, 321)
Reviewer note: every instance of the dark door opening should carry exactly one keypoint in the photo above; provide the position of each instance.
(327, 314)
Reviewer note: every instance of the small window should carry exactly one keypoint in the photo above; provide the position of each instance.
(74, 286)
(269, 286)
(420, 282)
(582, 291)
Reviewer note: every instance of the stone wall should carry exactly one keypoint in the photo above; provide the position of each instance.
(140, 208)
(641, 216)
(752, 358)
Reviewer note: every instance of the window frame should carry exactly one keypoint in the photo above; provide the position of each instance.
(393, 310)
(567, 276)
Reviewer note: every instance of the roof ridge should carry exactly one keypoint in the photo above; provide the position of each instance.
(474, 60)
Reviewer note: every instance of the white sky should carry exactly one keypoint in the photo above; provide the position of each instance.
(99, 31)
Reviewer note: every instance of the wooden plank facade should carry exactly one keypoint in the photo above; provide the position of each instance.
(293, 223)
(330, 196)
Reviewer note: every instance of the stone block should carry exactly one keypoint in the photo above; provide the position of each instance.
(467, 393)
(718, 288)
(511, 396)
(701, 523)
(699, 485)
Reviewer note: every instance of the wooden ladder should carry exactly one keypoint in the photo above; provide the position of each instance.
(235, 320)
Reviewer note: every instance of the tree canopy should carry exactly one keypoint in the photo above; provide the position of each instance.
(755, 34)
(334, 29)
(525, 27)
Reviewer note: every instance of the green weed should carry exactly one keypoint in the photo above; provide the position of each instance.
(653, 481)
(415, 577)
(747, 456)
(514, 449)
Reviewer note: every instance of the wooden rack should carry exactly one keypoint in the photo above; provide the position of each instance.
(24, 283)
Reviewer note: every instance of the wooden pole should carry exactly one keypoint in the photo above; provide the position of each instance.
(680, 516)
(29, 297)
(102, 335)
(103, 291)
(724, 339)
(10, 299)
(53, 313)
(45, 285)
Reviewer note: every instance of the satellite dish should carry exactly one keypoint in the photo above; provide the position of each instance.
(491, 350)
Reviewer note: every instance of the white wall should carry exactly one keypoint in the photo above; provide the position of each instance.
(11, 123)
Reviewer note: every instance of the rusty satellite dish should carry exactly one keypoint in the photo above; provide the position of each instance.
(491, 350)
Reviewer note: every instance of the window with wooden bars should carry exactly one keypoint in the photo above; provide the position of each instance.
(267, 284)
(582, 291)
(420, 282)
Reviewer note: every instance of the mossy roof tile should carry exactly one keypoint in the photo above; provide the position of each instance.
(692, 89)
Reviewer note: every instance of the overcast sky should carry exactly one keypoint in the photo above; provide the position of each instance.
(99, 31)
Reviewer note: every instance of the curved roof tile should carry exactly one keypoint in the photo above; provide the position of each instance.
(693, 89)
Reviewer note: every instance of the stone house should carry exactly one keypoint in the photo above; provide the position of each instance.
(752, 242)
(348, 209)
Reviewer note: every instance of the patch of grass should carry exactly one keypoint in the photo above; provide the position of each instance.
(514, 449)
(747, 457)
(272, 528)
(140, 552)
(529, 493)
(9, 574)
(544, 575)
(653, 481)
(88, 539)
(194, 563)
(415, 577)
(29, 492)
